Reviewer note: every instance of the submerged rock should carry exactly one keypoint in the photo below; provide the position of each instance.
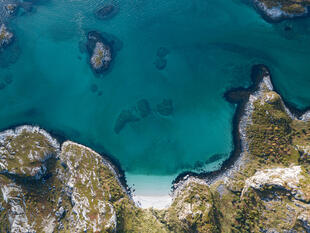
(2, 86)
(8, 79)
(160, 63)
(6, 37)
(94, 88)
(143, 108)
(125, 117)
(165, 108)
(162, 52)
(100, 51)
(107, 11)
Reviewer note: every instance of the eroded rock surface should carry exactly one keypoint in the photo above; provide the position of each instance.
(278, 10)
(75, 194)
(6, 37)
(100, 51)
(25, 151)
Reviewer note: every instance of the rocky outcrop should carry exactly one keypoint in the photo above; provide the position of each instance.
(6, 37)
(278, 190)
(101, 57)
(278, 10)
(100, 52)
(25, 151)
(11, 8)
(193, 209)
(75, 194)
(85, 180)
(284, 179)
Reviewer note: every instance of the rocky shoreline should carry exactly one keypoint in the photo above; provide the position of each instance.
(244, 98)
(276, 12)
(6, 37)
(241, 97)
(73, 188)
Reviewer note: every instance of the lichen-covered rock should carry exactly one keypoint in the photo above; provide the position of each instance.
(278, 10)
(101, 57)
(277, 190)
(76, 193)
(193, 209)
(86, 177)
(25, 150)
(100, 51)
(285, 179)
(6, 37)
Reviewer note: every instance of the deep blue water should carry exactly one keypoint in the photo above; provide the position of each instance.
(212, 44)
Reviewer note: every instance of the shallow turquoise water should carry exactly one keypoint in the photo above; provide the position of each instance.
(212, 43)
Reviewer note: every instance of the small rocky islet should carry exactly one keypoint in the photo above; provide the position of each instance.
(100, 51)
(6, 37)
(47, 186)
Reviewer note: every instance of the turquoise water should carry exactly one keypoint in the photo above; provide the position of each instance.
(212, 44)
